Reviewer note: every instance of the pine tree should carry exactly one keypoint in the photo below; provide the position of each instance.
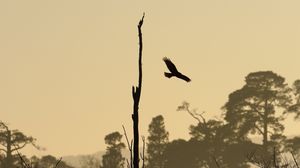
(258, 108)
(157, 141)
(113, 157)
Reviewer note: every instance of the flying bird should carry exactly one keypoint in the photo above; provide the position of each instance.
(173, 71)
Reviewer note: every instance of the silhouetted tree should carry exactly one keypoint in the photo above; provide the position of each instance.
(47, 161)
(235, 154)
(89, 161)
(181, 153)
(210, 134)
(293, 145)
(258, 108)
(35, 162)
(136, 95)
(295, 108)
(213, 131)
(12, 141)
(156, 144)
(296, 88)
(216, 141)
(113, 157)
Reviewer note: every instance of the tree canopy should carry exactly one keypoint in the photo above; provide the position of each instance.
(258, 107)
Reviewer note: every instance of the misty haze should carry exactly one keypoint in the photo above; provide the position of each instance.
(149, 84)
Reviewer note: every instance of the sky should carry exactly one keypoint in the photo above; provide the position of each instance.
(67, 66)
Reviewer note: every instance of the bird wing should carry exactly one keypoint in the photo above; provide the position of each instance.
(172, 68)
(183, 77)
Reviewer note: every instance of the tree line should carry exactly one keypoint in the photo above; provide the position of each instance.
(258, 108)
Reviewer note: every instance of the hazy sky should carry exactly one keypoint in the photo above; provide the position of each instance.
(67, 66)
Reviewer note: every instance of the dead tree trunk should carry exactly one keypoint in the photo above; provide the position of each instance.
(136, 93)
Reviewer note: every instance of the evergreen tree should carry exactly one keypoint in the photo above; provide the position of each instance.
(113, 157)
(47, 161)
(212, 144)
(12, 141)
(156, 144)
(295, 108)
(89, 161)
(258, 108)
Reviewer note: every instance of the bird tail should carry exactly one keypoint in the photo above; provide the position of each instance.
(168, 75)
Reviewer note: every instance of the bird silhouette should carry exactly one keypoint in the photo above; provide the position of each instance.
(173, 71)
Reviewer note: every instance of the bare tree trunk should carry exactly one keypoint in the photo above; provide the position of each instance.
(136, 93)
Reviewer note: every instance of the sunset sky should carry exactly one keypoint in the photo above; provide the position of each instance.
(67, 66)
